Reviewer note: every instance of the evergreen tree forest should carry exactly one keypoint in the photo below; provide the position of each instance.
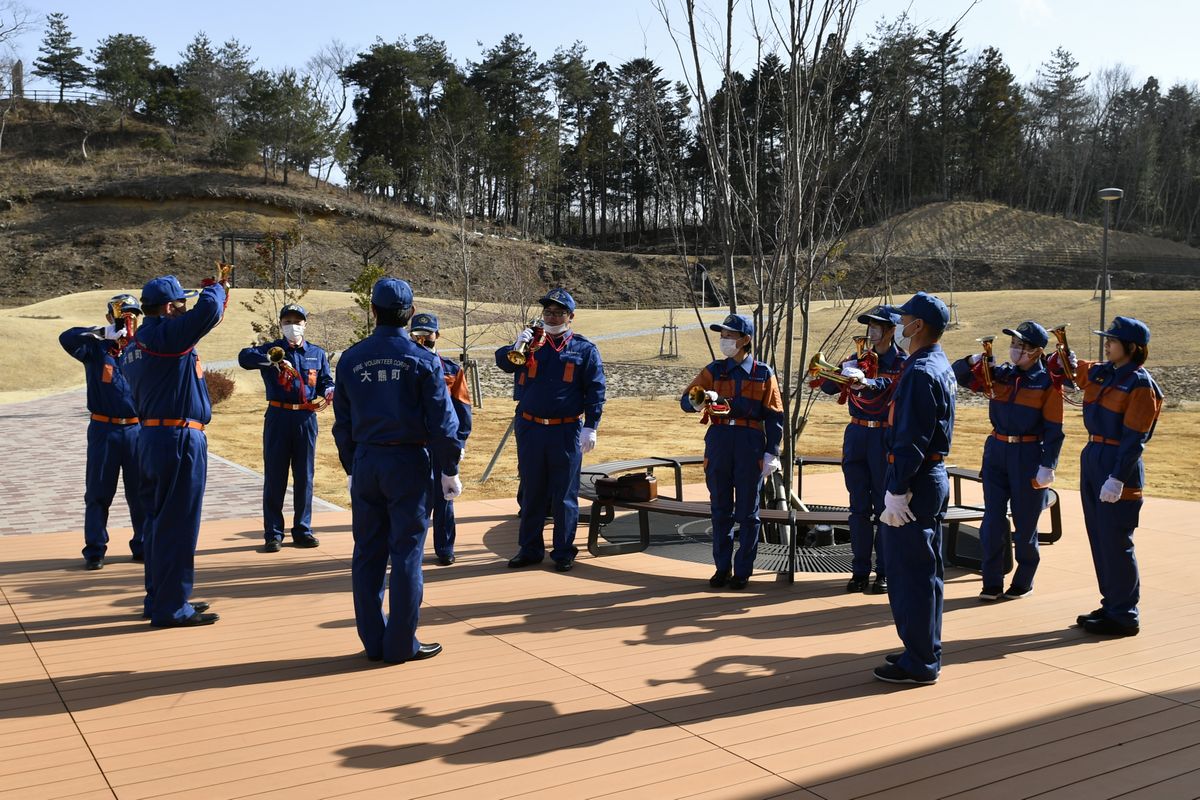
(566, 148)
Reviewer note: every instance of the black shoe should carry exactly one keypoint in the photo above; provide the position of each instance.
(423, 652)
(188, 622)
(445, 561)
(518, 561)
(858, 585)
(272, 546)
(892, 658)
(879, 586)
(94, 563)
(719, 579)
(1094, 616)
(1017, 592)
(564, 566)
(890, 673)
(199, 606)
(737, 583)
(138, 557)
(1110, 627)
(990, 594)
(306, 541)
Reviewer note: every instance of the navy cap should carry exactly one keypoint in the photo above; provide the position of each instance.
(128, 303)
(166, 289)
(424, 322)
(391, 293)
(735, 323)
(884, 315)
(560, 296)
(927, 307)
(1029, 332)
(293, 308)
(1128, 329)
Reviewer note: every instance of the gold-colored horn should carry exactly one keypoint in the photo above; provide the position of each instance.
(985, 364)
(520, 354)
(818, 367)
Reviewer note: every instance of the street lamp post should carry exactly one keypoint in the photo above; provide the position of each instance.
(1108, 197)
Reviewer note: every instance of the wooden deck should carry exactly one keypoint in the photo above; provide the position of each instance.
(627, 677)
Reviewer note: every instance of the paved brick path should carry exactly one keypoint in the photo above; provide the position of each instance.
(44, 445)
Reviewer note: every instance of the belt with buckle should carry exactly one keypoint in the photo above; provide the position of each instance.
(1016, 439)
(544, 421)
(173, 423)
(115, 420)
(1104, 440)
(870, 423)
(928, 458)
(738, 422)
(290, 406)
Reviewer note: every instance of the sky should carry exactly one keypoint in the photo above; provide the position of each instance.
(1149, 37)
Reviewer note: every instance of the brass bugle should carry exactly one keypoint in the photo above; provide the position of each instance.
(697, 396)
(818, 367)
(520, 354)
(985, 364)
(1064, 352)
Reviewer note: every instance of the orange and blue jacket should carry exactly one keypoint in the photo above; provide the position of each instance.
(752, 396)
(1024, 403)
(1122, 406)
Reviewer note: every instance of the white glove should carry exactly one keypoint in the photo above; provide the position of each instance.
(349, 481)
(711, 396)
(451, 486)
(850, 363)
(524, 337)
(329, 395)
(976, 358)
(770, 464)
(587, 439)
(854, 373)
(1045, 477)
(1110, 492)
(895, 509)
(112, 332)
(1072, 359)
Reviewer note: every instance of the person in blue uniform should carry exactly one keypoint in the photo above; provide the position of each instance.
(112, 432)
(560, 397)
(391, 410)
(171, 398)
(298, 385)
(424, 331)
(864, 453)
(741, 447)
(914, 502)
(1121, 404)
(1019, 456)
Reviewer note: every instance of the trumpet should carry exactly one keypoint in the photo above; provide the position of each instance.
(521, 353)
(820, 369)
(985, 365)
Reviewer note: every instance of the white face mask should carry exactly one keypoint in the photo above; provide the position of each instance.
(729, 347)
(903, 341)
(1016, 355)
(555, 330)
(293, 333)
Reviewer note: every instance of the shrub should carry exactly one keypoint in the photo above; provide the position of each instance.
(220, 385)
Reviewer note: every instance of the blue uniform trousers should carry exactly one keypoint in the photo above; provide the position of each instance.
(548, 458)
(174, 465)
(289, 445)
(864, 466)
(111, 451)
(442, 511)
(1110, 528)
(1008, 473)
(733, 473)
(914, 570)
(388, 496)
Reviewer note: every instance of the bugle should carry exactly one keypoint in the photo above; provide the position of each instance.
(820, 369)
(1063, 349)
(520, 353)
(985, 365)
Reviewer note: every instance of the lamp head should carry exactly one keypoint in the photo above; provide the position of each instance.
(1110, 194)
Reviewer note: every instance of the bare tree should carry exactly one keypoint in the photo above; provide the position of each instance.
(368, 239)
(89, 119)
(15, 20)
(332, 92)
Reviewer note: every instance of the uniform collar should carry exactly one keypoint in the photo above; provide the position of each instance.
(746, 363)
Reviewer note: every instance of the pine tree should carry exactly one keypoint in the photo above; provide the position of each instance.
(123, 68)
(60, 58)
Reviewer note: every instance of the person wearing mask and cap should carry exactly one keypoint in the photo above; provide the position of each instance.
(914, 501)
(1019, 456)
(171, 398)
(741, 447)
(560, 397)
(113, 430)
(1121, 404)
(391, 409)
(864, 454)
(424, 331)
(298, 383)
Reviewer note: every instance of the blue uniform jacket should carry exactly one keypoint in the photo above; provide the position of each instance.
(310, 361)
(389, 390)
(874, 408)
(554, 384)
(107, 390)
(1024, 403)
(162, 365)
(460, 397)
(922, 415)
(752, 395)
(1122, 405)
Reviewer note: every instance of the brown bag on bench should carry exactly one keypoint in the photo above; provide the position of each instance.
(637, 487)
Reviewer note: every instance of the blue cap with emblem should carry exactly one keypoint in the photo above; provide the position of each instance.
(293, 308)
(166, 289)
(883, 315)
(1128, 329)
(560, 296)
(1029, 332)
(391, 293)
(424, 322)
(926, 307)
(735, 323)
